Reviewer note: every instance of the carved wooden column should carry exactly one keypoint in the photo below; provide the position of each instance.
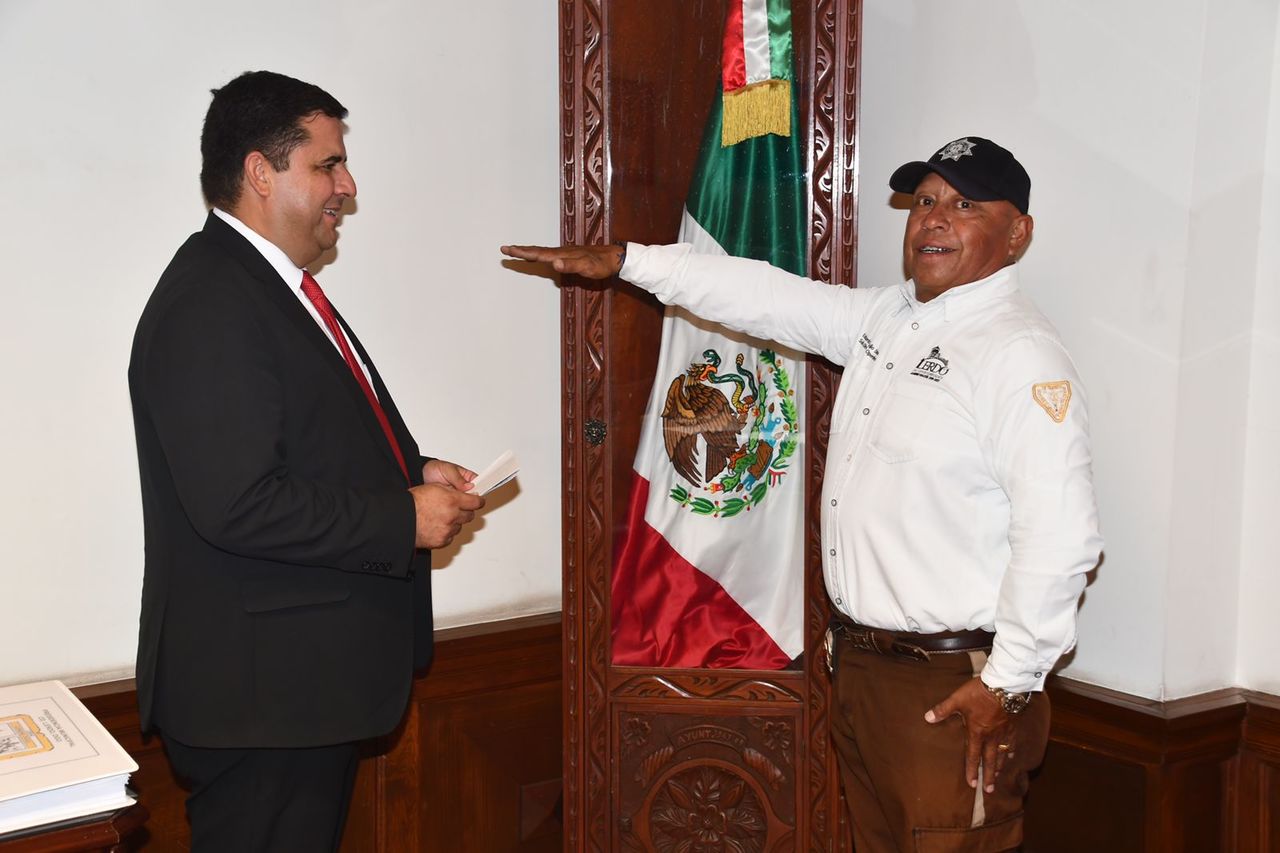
(652, 755)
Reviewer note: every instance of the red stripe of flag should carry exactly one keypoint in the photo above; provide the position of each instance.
(667, 613)
(733, 67)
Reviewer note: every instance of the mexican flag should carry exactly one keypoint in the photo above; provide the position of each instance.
(710, 570)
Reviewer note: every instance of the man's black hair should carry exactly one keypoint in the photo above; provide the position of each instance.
(257, 111)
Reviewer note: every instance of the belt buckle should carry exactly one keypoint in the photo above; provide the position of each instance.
(909, 650)
(861, 640)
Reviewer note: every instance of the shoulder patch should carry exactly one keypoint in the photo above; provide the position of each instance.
(1053, 397)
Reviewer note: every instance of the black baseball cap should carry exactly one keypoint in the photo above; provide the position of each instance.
(977, 167)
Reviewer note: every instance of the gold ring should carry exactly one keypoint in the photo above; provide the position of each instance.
(1003, 747)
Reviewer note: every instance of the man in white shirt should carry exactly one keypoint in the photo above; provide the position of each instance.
(959, 518)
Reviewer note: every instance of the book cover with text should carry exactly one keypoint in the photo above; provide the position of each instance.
(56, 760)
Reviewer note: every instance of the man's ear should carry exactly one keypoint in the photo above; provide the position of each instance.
(258, 174)
(1020, 235)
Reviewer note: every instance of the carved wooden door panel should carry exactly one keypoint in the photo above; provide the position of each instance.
(657, 757)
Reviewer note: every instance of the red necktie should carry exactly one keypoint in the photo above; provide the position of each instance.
(318, 299)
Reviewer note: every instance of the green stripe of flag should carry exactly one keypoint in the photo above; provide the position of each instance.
(750, 196)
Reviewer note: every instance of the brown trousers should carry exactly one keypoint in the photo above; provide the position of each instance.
(904, 778)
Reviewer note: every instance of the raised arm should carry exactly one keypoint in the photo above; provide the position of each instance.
(745, 295)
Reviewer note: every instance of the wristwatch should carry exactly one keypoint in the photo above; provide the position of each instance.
(1012, 703)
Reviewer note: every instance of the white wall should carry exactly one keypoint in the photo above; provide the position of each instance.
(102, 104)
(1259, 634)
(1145, 127)
(1213, 406)
(1151, 130)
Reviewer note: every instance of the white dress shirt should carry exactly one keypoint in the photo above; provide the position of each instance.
(292, 275)
(958, 491)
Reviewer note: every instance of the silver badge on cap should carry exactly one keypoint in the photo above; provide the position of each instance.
(956, 150)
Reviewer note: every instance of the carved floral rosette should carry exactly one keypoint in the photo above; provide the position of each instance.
(705, 782)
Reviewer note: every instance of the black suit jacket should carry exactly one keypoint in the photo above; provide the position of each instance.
(283, 602)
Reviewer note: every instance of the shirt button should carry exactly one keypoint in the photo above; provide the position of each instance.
(839, 601)
(915, 325)
(889, 366)
(832, 552)
(833, 501)
(866, 411)
(1038, 674)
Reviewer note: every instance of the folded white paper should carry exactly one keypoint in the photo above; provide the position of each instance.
(501, 470)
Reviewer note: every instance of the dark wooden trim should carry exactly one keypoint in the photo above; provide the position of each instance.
(1262, 726)
(830, 113)
(586, 504)
(1257, 789)
(476, 757)
(1146, 730)
(1126, 773)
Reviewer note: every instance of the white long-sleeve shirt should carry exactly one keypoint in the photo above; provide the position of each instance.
(958, 490)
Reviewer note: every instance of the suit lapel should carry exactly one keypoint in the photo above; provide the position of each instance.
(407, 445)
(279, 293)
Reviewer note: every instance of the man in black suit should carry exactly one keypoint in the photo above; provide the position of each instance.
(288, 512)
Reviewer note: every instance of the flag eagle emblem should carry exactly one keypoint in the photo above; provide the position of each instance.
(745, 437)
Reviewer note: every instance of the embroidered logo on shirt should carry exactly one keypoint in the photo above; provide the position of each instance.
(933, 366)
(956, 150)
(1053, 397)
(872, 351)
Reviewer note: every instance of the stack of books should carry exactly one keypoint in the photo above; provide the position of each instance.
(57, 762)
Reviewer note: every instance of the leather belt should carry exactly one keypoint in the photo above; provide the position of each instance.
(908, 644)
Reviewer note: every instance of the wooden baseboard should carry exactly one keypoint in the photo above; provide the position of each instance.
(1257, 793)
(476, 757)
(476, 764)
(1133, 775)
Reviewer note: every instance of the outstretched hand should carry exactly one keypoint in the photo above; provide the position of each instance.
(988, 731)
(586, 261)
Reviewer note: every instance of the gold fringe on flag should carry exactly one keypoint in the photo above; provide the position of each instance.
(755, 110)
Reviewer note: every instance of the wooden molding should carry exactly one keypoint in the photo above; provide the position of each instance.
(1127, 774)
(1262, 726)
(1147, 731)
(585, 502)
(478, 757)
(1257, 781)
(830, 111)
(475, 765)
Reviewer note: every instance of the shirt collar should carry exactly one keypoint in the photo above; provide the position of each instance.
(273, 254)
(965, 298)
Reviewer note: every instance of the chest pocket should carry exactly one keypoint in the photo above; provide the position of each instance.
(905, 412)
